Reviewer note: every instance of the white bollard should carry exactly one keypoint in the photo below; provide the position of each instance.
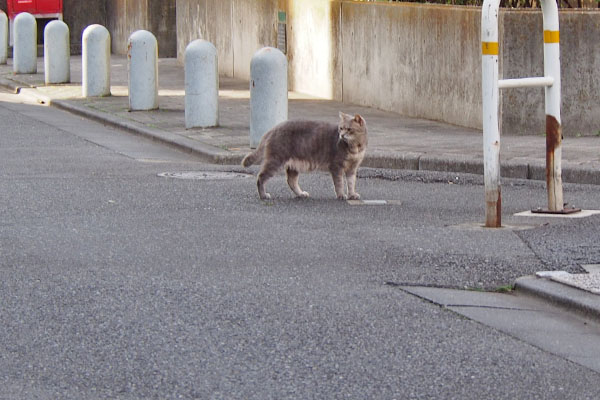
(57, 53)
(3, 37)
(268, 92)
(142, 52)
(25, 44)
(95, 61)
(201, 85)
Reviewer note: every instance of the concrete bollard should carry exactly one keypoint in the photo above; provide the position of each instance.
(95, 61)
(3, 37)
(268, 92)
(201, 85)
(142, 53)
(25, 44)
(57, 53)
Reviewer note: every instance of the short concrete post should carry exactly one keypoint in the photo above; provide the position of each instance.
(25, 44)
(201, 85)
(57, 53)
(3, 37)
(142, 53)
(95, 60)
(268, 92)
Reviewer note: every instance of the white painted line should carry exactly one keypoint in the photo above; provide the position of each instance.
(581, 214)
(373, 202)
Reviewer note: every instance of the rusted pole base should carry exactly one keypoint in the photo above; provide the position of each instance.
(493, 210)
(553, 164)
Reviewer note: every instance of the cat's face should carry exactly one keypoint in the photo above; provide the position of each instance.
(353, 130)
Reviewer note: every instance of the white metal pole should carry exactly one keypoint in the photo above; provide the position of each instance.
(553, 100)
(491, 132)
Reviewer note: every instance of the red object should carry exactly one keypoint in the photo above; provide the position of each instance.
(38, 8)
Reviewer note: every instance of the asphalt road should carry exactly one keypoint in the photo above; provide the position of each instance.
(116, 282)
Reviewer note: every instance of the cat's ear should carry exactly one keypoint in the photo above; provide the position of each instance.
(342, 116)
(359, 120)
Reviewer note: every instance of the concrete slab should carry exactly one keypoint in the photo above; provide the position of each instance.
(479, 226)
(530, 319)
(581, 214)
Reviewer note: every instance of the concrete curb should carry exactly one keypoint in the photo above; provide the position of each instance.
(522, 169)
(585, 303)
(10, 84)
(391, 160)
(206, 152)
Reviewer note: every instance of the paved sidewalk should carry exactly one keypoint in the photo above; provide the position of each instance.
(394, 141)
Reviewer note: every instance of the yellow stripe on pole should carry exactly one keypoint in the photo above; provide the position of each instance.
(551, 36)
(489, 48)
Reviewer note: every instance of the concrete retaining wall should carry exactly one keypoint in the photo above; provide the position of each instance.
(418, 60)
(522, 55)
(209, 20)
(237, 28)
(315, 47)
(78, 15)
(157, 16)
(425, 61)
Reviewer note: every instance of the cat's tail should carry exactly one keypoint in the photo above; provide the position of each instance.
(253, 158)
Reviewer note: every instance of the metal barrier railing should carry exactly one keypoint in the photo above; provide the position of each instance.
(490, 91)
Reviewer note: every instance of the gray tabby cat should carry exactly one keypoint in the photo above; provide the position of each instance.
(302, 146)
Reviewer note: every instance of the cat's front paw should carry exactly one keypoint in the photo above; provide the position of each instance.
(266, 196)
(304, 195)
(342, 197)
(354, 196)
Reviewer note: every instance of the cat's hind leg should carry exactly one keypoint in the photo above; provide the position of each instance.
(292, 180)
(267, 170)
